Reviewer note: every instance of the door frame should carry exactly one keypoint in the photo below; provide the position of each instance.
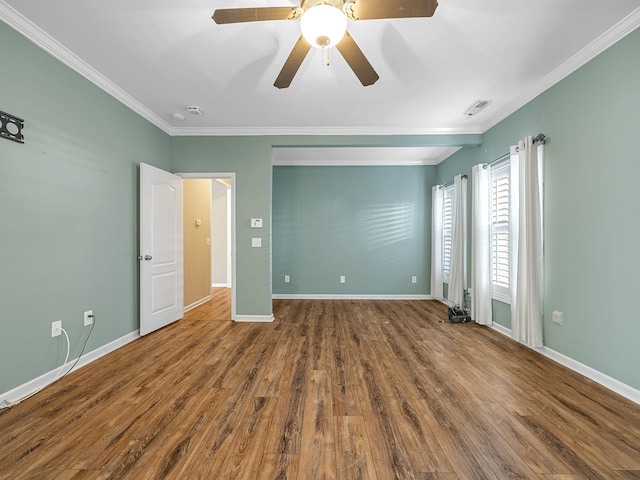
(232, 177)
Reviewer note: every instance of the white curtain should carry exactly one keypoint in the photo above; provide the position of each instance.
(437, 200)
(458, 277)
(527, 281)
(481, 281)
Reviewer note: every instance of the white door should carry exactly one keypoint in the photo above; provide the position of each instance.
(161, 249)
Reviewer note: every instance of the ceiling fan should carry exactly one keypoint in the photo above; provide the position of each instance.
(324, 24)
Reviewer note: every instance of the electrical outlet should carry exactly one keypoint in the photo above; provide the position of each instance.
(287, 279)
(56, 328)
(414, 279)
(343, 279)
(557, 317)
(88, 317)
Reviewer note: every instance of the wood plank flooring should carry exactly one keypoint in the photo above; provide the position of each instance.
(331, 390)
(218, 308)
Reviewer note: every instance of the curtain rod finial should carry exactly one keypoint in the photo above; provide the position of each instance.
(540, 138)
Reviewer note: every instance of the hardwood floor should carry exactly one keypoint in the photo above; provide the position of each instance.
(331, 390)
(218, 308)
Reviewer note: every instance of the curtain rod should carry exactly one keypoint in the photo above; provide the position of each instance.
(537, 140)
(503, 157)
(540, 138)
(451, 182)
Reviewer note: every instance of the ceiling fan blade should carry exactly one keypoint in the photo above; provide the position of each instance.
(259, 14)
(377, 9)
(291, 66)
(349, 49)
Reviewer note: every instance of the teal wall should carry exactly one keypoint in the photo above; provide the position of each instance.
(592, 166)
(68, 210)
(250, 157)
(371, 224)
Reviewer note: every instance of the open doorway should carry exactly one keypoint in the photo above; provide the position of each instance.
(209, 245)
(221, 233)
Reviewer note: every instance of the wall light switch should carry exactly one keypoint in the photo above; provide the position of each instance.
(256, 242)
(256, 223)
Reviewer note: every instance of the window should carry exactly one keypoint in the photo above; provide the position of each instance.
(447, 229)
(500, 220)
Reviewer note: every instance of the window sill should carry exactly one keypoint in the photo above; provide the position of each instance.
(498, 297)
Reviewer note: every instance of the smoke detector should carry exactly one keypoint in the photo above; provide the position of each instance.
(194, 110)
(476, 108)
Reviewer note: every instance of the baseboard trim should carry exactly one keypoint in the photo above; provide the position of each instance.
(500, 328)
(444, 301)
(309, 296)
(255, 318)
(197, 304)
(45, 379)
(611, 383)
(606, 381)
(220, 285)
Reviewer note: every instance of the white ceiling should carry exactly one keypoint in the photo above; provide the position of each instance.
(160, 56)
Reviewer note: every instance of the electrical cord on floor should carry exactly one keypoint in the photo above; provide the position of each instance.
(93, 324)
(57, 377)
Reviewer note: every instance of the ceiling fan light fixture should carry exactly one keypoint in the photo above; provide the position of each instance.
(323, 26)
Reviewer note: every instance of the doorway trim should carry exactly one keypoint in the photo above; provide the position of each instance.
(232, 177)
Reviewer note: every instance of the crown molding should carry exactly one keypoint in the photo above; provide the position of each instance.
(319, 130)
(335, 162)
(595, 48)
(373, 156)
(50, 45)
(21, 24)
(24, 26)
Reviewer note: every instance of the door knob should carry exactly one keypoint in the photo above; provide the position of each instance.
(146, 257)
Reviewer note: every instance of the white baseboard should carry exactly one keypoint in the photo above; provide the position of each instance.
(606, 381)
(617, 386)
(197, 303)
(443, 301)
(255, 318)
(503, 330)
(25, 389)
(220, 285)
(44, 380)
(309, 296)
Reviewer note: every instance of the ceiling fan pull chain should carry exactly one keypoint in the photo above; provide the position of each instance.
(325, 56)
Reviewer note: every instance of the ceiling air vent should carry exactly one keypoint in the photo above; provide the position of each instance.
(476, 108)
(194, 110)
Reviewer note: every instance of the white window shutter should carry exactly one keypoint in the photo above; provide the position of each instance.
(500, 218)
